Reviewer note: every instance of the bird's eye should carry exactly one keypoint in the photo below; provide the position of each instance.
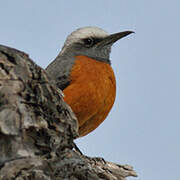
(89, 42)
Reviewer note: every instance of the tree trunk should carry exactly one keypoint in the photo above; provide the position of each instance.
(37, 128)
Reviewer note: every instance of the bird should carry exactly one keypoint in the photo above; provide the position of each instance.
(83, 71)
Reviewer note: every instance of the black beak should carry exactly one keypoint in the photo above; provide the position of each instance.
(112, 38)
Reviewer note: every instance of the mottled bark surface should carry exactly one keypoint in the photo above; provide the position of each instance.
(37, 128)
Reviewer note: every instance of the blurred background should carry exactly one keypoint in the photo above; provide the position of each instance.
(144, 125)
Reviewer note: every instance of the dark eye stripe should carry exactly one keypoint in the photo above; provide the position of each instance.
(91, 41)
(96, 40)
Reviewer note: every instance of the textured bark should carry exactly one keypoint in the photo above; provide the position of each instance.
(37, 128)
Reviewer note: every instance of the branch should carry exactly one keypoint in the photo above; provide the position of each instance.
(37, 128)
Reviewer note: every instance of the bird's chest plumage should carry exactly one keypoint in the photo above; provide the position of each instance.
(91, 92)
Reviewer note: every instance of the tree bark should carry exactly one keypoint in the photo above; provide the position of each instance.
(37, 128)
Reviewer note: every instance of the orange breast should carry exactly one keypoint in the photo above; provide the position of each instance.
(91, 92)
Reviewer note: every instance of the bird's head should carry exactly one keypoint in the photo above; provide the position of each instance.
(93, 42)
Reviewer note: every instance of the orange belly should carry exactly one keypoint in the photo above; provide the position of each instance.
(91, 92)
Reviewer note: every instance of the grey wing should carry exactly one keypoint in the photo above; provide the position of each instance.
(59, 71)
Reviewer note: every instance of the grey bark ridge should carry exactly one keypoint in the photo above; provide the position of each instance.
(37, 128)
